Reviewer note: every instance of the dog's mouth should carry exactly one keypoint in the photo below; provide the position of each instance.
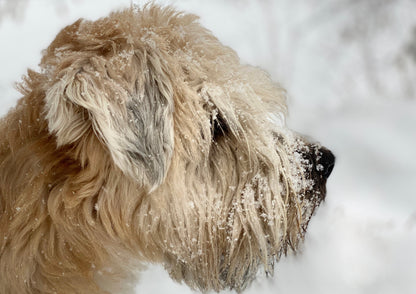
(309, 166)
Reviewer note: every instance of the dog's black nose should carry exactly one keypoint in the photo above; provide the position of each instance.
(325, 162)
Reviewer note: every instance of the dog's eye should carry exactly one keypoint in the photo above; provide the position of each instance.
(219, 127)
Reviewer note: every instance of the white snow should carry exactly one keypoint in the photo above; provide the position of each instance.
(363, 238)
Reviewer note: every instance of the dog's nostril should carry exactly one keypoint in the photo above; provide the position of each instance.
(325, 163)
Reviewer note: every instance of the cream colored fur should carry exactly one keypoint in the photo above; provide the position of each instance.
(144, 139)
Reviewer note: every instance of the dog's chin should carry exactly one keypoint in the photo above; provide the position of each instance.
(237, 277)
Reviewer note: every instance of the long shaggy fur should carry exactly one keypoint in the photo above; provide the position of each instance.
(144, 139)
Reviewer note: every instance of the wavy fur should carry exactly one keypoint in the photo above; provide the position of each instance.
(144, 139)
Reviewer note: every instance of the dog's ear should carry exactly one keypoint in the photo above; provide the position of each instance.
(129, 107)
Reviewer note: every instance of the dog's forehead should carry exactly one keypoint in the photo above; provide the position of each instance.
(132, 27)
(125, 32)
(206, 67)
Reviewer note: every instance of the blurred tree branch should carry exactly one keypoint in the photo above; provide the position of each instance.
(410, 48)
(16, 9)
(12, 8)
(367, 24)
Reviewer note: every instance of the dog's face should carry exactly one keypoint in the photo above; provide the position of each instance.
(193, 141)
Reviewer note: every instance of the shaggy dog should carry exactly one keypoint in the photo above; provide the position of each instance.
(144, 139)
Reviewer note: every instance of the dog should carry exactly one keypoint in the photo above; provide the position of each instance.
(142, 139)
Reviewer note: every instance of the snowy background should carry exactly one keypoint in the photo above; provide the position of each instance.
(350, 70)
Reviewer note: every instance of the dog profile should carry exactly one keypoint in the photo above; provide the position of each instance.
(143, 139)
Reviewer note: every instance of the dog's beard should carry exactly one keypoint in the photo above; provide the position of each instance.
(220, 237)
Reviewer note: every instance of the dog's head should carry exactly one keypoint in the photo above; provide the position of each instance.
(221, 186)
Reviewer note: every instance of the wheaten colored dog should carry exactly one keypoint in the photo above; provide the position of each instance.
(144, 139)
